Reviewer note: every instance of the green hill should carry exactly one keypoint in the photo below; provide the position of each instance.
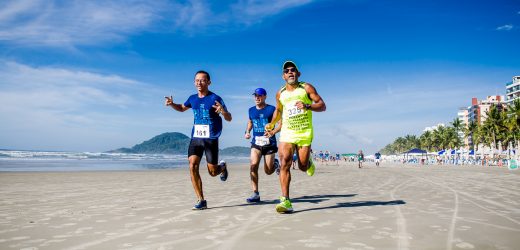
(236, 151)
(174, 143)
(167, 143)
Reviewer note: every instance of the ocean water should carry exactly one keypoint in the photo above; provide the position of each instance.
(45, 161)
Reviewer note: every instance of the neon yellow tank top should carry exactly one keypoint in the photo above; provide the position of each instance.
(296, 123)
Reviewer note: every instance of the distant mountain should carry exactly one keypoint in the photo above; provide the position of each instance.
(167, 143)
(236, 151)
(174, 143)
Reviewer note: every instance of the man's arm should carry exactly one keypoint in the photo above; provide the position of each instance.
(219, 108)
(277, 115)
(318, 104)
(275, 130)
(248, 130)
(227, 115)
(178, 107)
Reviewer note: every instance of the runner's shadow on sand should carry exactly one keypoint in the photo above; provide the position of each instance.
(356, 204)
(320, 198)
(308, 198)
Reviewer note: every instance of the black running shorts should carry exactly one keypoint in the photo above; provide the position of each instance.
(209, 146)
(266, 150)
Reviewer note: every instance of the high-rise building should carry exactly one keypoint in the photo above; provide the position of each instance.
(463, 116)
(513, 90)
(478, 110)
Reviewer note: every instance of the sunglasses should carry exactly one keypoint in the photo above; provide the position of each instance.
(293, 70)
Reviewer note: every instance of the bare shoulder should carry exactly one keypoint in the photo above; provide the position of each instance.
(309, 87)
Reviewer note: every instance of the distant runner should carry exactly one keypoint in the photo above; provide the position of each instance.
(294, 105)
(263, 142)
(378, 158)
(360, 158)
(294, 160)
(207, 127)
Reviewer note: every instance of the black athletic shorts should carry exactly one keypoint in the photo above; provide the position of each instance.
(266, 150)
(209, 146)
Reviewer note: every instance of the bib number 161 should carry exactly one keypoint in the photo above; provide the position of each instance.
(201, 131)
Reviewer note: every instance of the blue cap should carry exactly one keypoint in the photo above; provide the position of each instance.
(260, 91)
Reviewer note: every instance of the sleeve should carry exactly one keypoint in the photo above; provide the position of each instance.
(187, 103)
(221, 101)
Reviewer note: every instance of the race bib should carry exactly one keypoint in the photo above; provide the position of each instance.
(201, 131)
(294, 111)
(262, 140)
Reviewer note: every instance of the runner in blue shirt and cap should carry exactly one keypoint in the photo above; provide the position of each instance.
(263, 143)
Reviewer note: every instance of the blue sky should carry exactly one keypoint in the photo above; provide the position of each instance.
(92, 75)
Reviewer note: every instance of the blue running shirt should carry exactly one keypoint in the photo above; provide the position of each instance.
(259, 118)
(206, 123)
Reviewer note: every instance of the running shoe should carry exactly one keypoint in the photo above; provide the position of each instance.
(277, 166)
(224, 174)
(312, 167)
(254, 198)
(284, 206)
(201, 205)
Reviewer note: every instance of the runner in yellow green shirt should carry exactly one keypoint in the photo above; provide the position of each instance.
(294, 105)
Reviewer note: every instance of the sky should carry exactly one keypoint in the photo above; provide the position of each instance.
(92, 75)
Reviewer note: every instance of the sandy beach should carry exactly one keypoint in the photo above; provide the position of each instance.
(341, 207)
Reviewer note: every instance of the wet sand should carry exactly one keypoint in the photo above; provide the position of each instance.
(341, 207)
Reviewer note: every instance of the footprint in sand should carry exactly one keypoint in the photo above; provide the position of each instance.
(465, 245)
(323, 224)
(316, 242)
(20, 238)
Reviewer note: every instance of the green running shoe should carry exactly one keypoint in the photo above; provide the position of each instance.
(312, 167)
(284, 206)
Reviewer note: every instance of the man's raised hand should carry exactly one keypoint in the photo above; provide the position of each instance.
(169, 101)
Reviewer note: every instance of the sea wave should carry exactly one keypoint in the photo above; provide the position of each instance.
(20, 160)
(20, 154)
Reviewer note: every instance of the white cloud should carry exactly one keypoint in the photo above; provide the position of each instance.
(505, 27)
(251, 11)
(56, 108)
(53, 23)
(73, 23)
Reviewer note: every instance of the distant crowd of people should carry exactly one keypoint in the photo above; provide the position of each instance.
(326, 157)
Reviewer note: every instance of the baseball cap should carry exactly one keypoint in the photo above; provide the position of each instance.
(260, 91)
(289, 64)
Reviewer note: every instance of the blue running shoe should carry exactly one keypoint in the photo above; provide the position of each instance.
(277, 166)
(201, 205)
(224, 174)
(254, 198)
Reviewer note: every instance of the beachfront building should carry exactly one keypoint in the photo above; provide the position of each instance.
(512, 90)
(478, 110)
(463, 116)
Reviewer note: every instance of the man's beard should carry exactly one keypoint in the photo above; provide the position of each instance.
(291, 81)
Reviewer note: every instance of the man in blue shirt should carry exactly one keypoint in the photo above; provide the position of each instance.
(263, 143)
(207, 127)
(378, 158)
